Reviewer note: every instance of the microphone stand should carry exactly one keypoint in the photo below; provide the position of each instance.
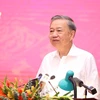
(91, 89)
(85, 93)
(74, 86)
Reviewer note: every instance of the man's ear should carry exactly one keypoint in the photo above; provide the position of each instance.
(72, 34)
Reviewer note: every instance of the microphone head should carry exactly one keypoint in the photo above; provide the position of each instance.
(52, 77)
(66, 84)
(92, 90)
(39, 76)
(68, 75)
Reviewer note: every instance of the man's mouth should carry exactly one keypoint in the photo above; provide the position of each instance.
(55, 40)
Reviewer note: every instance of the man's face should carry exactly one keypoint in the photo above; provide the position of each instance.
(60, 34)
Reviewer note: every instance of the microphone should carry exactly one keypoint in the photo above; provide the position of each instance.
(68, 83)
(90, 89)
(51, 78)
(78, 82)
(39, 76)
(43, 81)
(32, 82)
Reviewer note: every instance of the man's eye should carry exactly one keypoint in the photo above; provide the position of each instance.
(59, 30)
(51, 30)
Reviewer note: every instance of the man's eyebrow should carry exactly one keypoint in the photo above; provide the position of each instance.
(56, 28)
(51, 28)
(59, 27)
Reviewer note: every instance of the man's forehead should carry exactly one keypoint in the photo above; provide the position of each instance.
(59, 20)
(58, 23)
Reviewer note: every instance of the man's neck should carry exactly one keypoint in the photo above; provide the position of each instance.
(64, 51)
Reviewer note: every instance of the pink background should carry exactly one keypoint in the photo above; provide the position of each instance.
(24, 29)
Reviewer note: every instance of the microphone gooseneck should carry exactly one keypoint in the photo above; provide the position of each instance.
(74, 86)
(90, 89)
(78, 82)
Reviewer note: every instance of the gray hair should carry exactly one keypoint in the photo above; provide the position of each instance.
(70, 21)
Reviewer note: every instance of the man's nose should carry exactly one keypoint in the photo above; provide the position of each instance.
(55, 34)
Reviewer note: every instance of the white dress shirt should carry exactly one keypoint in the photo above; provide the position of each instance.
(81, 62)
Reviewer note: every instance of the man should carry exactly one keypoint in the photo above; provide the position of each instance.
(67, 57)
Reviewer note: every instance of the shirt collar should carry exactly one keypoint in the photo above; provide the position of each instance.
(73, 51)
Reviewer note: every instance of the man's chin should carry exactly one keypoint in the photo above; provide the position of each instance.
(56, 45)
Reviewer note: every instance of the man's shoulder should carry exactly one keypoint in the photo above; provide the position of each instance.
(83, 52)
(53, 53)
